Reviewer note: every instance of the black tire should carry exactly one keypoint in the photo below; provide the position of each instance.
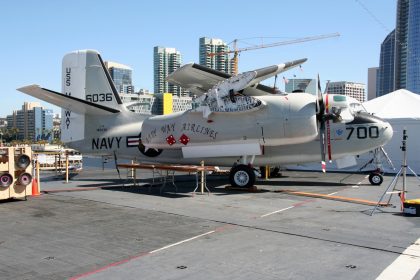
(275, 172)
(262, 171)
(242, 176)
(375, 179)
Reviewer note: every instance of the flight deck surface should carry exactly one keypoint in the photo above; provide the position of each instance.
(100, 227)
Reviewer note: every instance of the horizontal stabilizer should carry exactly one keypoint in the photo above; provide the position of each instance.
(67, 101)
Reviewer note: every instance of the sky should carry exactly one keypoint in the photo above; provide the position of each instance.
(37, 34)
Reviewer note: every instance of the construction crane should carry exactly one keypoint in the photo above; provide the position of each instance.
(236, 51)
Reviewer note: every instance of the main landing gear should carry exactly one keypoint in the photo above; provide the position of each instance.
(243, 175)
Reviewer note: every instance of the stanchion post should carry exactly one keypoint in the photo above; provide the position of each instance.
(59, 164)
(133, 172)
(55, 164)
(404, 164)
(67, 167)
(37, 174)
(202, 176)
(267, 171)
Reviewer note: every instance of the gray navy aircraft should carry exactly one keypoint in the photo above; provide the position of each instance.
(239, 122)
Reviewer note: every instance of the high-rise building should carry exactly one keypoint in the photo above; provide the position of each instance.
(211, 46)
(166, 61)
(121, 75)
(400, 52)
(3, 122)
(386, 71)
(33, 122)
(372, 82)
(413, 47)
(401, 36)
(355, 90)
(301, 85)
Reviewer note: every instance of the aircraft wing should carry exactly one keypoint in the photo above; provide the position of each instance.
(67, 102)
(199, 79)
(196, 78)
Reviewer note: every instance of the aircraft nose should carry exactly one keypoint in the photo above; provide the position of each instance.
(384, 128)
(387, 132)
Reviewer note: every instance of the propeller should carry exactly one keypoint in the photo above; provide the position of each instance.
(325, 113)
(320, 115)
(324, 116)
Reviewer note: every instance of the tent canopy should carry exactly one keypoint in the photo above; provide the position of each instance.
(400, 104)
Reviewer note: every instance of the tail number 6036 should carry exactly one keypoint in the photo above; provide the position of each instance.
(99, 97)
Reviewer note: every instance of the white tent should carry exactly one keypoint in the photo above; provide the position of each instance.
(400, 104)
(401, 109)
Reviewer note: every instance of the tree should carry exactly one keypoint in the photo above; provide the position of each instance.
(15, 132)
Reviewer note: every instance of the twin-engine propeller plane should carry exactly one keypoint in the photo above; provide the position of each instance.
(239, 122)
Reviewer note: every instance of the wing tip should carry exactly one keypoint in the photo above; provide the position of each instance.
(25, 88)
(295, 62)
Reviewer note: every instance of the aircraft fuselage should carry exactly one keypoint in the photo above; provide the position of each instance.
(121, 134)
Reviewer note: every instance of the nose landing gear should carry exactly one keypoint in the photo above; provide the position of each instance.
(375, 178)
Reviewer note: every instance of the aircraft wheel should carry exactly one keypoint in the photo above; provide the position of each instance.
(262, 171)
(275, 172)
(375, 179)
(242, 176)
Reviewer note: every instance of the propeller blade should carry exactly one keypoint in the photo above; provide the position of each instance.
(319, 85)
(322, 144)
(320, 103)
(326, 87)
(321, 117)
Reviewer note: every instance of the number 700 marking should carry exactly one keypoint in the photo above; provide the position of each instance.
(362, 132)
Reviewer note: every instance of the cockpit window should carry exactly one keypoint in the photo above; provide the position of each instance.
(356, 107)
(339, 98)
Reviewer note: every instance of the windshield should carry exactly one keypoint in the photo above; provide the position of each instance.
(356, 107)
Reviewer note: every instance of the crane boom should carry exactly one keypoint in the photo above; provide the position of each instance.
(236, 50)
(294, 41)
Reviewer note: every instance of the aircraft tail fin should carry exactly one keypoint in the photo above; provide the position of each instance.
(85, 77)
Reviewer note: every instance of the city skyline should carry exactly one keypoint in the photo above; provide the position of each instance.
(35, 45)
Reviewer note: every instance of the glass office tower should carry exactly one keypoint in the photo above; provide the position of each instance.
(385, 77)
(413, 46)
